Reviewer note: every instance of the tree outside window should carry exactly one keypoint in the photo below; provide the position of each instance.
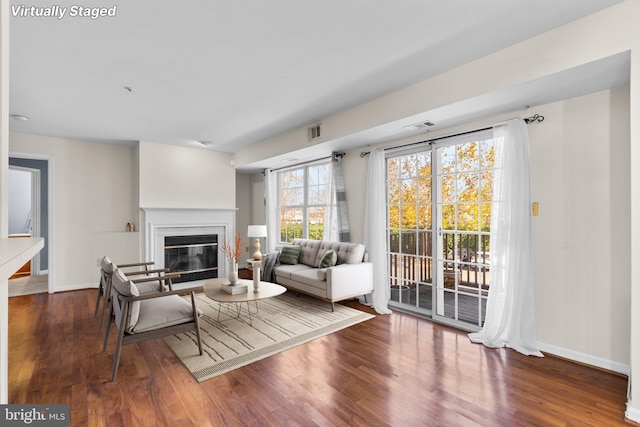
(304, 197)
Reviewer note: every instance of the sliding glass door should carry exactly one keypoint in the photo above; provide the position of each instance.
(439, 214)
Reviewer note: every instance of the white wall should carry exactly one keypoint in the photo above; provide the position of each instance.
(178, 177)
(92, 201)
(581, 178)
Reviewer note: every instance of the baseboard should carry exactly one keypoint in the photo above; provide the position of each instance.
(587, 359)
(632, 414)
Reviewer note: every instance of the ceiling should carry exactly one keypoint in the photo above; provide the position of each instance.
(234, 73)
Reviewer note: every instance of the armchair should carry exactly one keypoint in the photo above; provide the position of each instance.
(150, 315)
(107, 267)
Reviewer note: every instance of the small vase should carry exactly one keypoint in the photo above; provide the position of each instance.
(233, 273)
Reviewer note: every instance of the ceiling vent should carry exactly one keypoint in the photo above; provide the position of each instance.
(313, 132)
(421, 125)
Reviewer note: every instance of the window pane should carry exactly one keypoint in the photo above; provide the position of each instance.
(448, 188)
(291, 188)
(486, 186)
(468, 217)
(448, 217)
(424, 190)
(408, 191)
(448, 159)
(408, 166)
(408, 216)
(468, 187)
(467, 156)
(485, 216)
(393, 169)
(394, 217)
(319, 184)
(424, 217)
(316, 222)
(486, 154)
(290, 224)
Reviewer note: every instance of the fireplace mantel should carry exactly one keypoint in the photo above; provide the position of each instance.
(158, 223)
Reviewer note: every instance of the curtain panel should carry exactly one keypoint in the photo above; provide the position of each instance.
(375, 229)
(336, 227)
(271, 208)
(510, 317)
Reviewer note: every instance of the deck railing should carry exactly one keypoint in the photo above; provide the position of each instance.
(411, 258)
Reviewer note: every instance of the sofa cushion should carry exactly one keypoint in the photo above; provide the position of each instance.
(285, 270)
(316, 277)
(290, 254)
(348, 253)
(310, 250)
(329, 259)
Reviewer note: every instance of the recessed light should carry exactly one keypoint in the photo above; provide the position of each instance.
(289, 160)
(19, 117)
(128, 89)
(205, 143)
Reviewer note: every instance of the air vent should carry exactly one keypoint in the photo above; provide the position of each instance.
(421, 125)
(313, 132)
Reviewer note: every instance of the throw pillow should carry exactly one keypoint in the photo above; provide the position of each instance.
(290, 254)
(329, 258)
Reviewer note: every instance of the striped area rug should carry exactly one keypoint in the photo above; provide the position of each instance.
(280, 323)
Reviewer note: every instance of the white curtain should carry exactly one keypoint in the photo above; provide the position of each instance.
(375, 226)
(510, 317)
(271, 208)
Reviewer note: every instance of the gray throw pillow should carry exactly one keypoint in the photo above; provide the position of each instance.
(290, 254)
(329, 259)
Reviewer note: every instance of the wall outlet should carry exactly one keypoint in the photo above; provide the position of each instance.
(98, 262)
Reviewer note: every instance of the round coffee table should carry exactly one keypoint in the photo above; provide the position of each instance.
(212, 289)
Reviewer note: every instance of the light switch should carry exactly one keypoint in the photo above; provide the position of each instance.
(534, 208)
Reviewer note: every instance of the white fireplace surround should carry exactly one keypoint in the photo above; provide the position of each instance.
(162, 222)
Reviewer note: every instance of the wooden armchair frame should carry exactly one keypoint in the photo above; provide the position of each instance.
(125, 337)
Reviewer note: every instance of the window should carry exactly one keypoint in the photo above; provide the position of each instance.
(304, 197)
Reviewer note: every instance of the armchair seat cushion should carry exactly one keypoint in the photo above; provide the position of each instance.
(158, 313)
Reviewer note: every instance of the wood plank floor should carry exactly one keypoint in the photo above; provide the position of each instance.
(394, 370)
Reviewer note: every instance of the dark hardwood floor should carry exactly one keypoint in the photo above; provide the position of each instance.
(394, 370)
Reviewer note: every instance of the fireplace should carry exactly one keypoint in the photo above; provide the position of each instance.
(194, 257)
(188, 226)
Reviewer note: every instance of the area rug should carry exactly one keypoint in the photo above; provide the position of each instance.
(280, 323)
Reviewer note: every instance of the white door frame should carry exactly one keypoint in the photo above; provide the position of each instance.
(50, 187)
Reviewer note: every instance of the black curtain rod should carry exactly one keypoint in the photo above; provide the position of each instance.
(534, 118)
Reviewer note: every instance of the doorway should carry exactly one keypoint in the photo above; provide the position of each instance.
(28, 207)
(439, 198)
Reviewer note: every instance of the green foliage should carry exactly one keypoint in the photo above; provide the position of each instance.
(288, 232)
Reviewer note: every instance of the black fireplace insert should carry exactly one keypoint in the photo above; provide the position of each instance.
(194, 257)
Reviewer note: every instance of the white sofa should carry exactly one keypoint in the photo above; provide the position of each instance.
(352, 276)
